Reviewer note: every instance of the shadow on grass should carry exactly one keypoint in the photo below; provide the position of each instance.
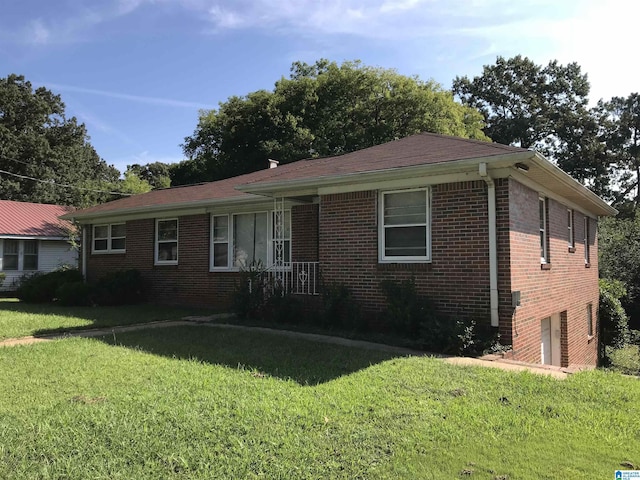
(264, 354)
(66, 318)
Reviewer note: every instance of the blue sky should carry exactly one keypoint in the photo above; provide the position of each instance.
(137, 72)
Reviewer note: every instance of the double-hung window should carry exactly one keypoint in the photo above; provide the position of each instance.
(19, 255)
(404, 226)
(111, 238)
(570, 235)
(544, 234)
(10, 254)
(587, 253)
(30, 255)
(166, 250)
(589, 319)
(242, 240)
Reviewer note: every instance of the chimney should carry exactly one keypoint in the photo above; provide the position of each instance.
(273, 163)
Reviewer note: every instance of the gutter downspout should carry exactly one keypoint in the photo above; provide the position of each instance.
(493, 243)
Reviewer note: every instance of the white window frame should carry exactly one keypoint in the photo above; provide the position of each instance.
(270, 240)
(17, 254)
(590, 320)
(571, 240)
(157, 241)
(20, 254)
(25, 254)
(544, 231)
(382, 258)
(109, 238)
(587, 252)
(228, 241)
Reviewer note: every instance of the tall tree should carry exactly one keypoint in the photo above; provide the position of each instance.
(321, 109)
(39, 142)
(619, 119)
(157, 174)
(541, 107)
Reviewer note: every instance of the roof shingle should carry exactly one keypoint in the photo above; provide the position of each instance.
(420, 149)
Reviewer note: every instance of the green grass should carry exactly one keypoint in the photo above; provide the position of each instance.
(19, 319)
(202, 402)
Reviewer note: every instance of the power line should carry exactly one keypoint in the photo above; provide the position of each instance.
(64, 185)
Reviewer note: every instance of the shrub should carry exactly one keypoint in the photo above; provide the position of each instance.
(406, 310)
(625, 360)
(614, 323)
(40, 288)
(2, 277)
(122, 287)
(339, 308)
(75, 294)
(251, 294)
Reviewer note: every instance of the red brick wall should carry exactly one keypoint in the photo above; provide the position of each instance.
(457, 279)
(565, 289)
(190, 282)
(304, 234)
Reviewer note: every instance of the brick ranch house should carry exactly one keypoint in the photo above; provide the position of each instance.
(33, 239)
(488, 231)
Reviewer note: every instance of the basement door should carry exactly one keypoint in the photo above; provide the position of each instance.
(550, 340)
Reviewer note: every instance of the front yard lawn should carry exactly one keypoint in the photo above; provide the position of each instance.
(19, 319)
(201, 402)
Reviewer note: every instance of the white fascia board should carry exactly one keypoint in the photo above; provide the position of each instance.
(544, 191)
(219, 205)
(415, 181)
(573, 184)
(313, 185)
(155, 211)
(31, 237)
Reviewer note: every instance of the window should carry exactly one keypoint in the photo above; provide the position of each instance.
(544, 252)
(404, 226)
(250, 239)
(586, 241)
(110, 238)
(167, 241)
(20, 254)
(590, 319)
(242, 239)
(220, 241)
(570, 236)
(30, 255)
(10, 255)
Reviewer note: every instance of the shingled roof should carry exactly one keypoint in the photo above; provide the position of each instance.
(420, 149)
(33, 220)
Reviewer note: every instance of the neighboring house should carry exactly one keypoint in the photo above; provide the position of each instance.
(489, 232)
(33, 239)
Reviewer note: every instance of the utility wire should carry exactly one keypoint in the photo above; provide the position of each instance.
(64, 185)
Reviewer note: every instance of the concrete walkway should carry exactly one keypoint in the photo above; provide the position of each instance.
(490, 361)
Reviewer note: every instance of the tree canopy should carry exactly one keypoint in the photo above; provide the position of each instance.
(541, 107)
(37, 141)
(321, 109)
(157, 174)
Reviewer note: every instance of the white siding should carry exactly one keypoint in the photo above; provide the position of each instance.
(52, 254)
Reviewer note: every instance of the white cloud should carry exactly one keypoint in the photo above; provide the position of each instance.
(38, 33)
(163, 102)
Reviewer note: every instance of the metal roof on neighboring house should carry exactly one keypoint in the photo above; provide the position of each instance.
(33, 219)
